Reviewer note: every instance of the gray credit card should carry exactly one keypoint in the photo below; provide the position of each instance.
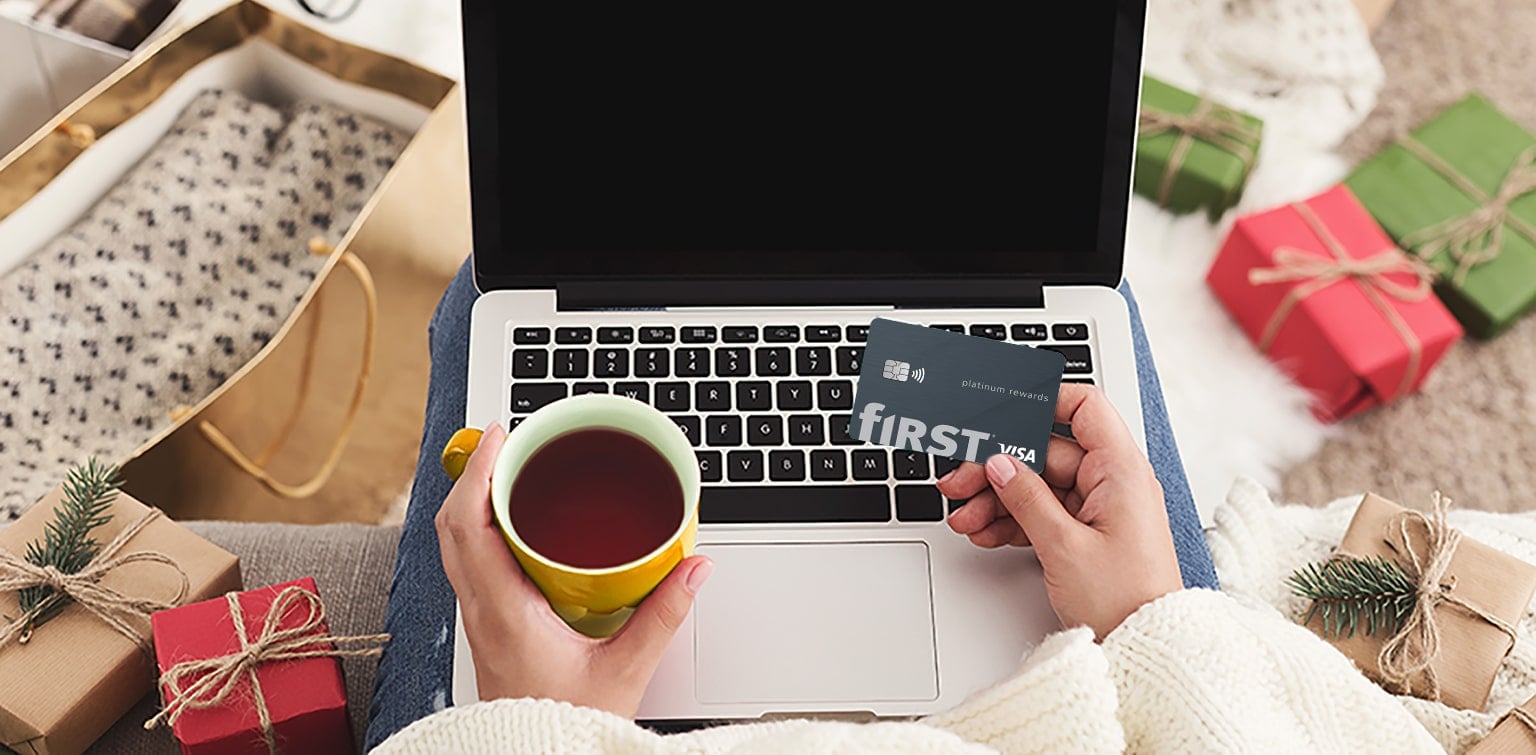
(950, 394)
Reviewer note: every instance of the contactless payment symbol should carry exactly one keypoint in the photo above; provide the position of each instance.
(901, 371)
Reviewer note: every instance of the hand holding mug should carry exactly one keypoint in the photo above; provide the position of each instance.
(1096, 518)
(521, 647)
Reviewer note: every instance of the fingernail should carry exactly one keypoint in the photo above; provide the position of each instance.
(947, 475)
(1001, 469)
(700, 573)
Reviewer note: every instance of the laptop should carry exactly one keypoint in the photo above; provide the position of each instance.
(703, 208)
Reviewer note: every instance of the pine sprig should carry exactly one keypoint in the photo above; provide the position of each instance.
(67, 544)
(1349, 592)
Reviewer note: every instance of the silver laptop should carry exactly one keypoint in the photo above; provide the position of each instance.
(703, 209)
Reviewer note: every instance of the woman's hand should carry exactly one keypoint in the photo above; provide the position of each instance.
(521, 648)
(1096, 519)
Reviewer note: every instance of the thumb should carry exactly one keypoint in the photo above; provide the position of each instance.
(1030, 501)
(646, 635)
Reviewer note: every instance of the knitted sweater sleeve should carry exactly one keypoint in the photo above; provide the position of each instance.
(1198, 671)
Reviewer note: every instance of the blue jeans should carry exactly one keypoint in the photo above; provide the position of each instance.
(415, 675)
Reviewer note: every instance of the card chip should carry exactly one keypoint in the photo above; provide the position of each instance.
(895, 370)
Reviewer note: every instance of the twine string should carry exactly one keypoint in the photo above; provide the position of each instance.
(208, 683)
(1211, 123)
(1371, 273)
(1477, 237)
(84, 587)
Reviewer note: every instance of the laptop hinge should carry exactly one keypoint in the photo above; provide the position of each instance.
(991, 293)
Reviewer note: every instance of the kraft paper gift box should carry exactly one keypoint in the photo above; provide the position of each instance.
(1460, 192)
(76, 675)
(1471, 648)
(305, 698)
(1192, 152)
(1514, 734)
(1322, 291)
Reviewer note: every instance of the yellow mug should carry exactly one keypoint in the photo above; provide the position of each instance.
(597, 602)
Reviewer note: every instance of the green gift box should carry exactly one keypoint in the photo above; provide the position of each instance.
(1459, 191)
(1192, 152)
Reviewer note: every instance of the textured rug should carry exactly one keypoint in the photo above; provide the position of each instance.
(1471, 432)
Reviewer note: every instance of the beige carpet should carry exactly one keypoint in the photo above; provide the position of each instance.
(1471, 432)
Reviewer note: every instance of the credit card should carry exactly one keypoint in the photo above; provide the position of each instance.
(954, 395)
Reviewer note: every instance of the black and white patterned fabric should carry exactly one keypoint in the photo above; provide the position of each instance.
(175, 279)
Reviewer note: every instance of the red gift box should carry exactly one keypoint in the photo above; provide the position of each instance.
(1322, 290)
(305, 698)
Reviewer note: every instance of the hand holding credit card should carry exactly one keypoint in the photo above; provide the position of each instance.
(954, 395)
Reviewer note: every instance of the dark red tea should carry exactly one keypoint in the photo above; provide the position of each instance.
(596, 498)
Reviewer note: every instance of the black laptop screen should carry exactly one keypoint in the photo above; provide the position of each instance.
(645, 139)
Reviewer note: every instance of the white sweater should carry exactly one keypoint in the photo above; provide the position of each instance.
(1197, 671)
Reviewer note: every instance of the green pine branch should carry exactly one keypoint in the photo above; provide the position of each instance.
(67, 544)
(1350, 592)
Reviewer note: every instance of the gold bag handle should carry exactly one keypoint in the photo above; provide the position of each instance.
(257, 467)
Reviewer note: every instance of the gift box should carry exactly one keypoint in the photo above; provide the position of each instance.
(1324, 293)
(1192, 152)
(1514, 734)
(1460, 192)
(1481, 589)
(300, 703)
(77, 674)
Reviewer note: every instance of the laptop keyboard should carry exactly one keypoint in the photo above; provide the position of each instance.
(766, 408)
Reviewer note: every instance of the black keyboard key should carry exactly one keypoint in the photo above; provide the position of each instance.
(525, 336)
(753, 395)
(709, 466)
(584, 388)
(712, 396)
(834, 394)
(651, 362)
(840, 429)
(813, 361)
(638, 391)
(794, 395)
(823, 333)
(691, 362)
(1070, 331)
(829, 466)
(690, 427)
(786, 466)
(909, 465)
(699, 334)
(722, 431)
(571, 363)
(514, 422)
(530, 363)
(849, 359)
(943, 465)
(765, 430)
(994, 332)
(528, 397)
(743, 466)
(657, 334)
(954, 504)
(1078, 359)
(573, 335)
(1088, 381)
(739, 334)
(735, 362)
(858, 333)
(610, 363)
(919, 503)
(950, 328)
(615, 334)
(781, 333)
(1033, 331)
(869, 465)
(772, 362)
(806, 430)
(672, 397)
(788, 504)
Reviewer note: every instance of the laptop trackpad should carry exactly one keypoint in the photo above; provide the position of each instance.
(816, 623)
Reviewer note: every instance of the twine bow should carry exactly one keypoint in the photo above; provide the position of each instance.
(1478, 236)
(84, 587)
(209, 682)
(1371, 273)
(1409, 652)
(1219, 126)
